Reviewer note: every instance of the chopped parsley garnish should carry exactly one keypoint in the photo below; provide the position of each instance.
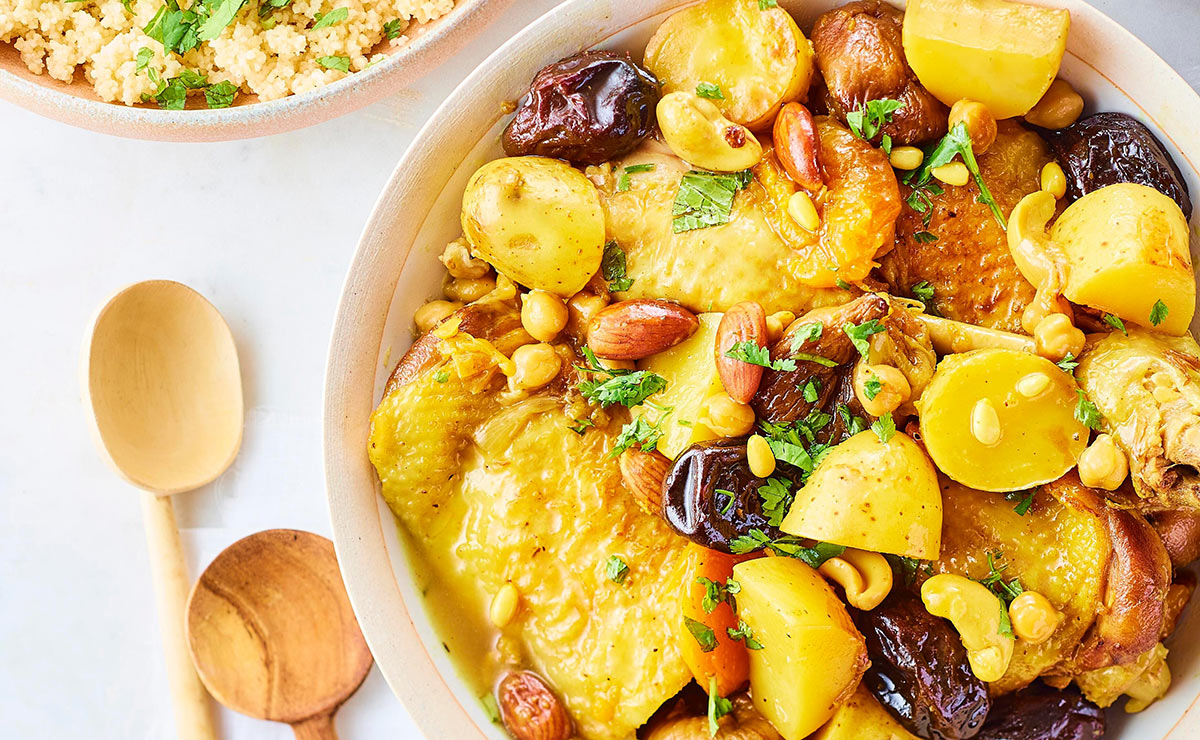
(221, 17)
(341, 64)
(638, 432)
(441, 376)
(710, 91)
(623, 182)
(702, 633)
(867, 120)
(144, 56)
(872, 387)
(393, 28)
(616, 569)
(853, 424)
(767, 4)
(956, 143)
(776, 498)
(1067, 364)
(1025, 498)
(729, 502)
(579, 426)
(1158, 312)
(717, 593)
(811, 390)
(745, 634)
(718, 706)
(1116, 323)
(790, 547)
(624, 387)
(492, 707)
(787, 441)
(858, 334)
(925, 237)
(1086, 412)
(220, 95)
(842, 284)
(612, 267)
(921, 200)
(909, 567)
(884, 427)
(751, 353)
(806, 357)
(706, 199)
(266, 7)
(923, 292)
(810, 332)
(172, 94)
(994, 580)
(325, 20)
(1005, 629)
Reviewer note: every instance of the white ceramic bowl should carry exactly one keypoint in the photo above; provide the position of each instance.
(395, 270)
(78, 105)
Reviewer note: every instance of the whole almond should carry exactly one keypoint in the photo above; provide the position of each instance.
(797, 146)
(743, 322)
(530, 710)
(632, 330)
(643, 474)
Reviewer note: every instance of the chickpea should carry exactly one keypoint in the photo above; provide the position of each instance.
(696, 132)
(1103, 464)
(803, 211)
(1034, 619)
(467, 290)
(759, 456)
(777, 324)
(907, 158)
(880, 388)
(504, 605)
(1055, 337)
(727, 417)
(981, 124)
(955, 173)
(536, 365)
(543, 315)
(430, 315)
(1059, 107)
(580, 309)
(1054, 180)
(459, 262)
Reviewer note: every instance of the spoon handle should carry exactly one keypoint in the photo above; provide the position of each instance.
(193, 712)
(315, 728)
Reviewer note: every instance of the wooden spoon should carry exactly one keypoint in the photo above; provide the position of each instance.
(165, 388)
(272, 633)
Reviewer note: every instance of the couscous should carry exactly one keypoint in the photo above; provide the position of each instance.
(163, 51)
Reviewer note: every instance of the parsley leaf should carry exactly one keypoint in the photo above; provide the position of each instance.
(1086, 412)
(718, 706)
(1158, 312)
(491, 707)
(853, 424)
(804, 333)
(994, 580)
(612, 267)
(717, 593)
(745, 634)
(638, 432)
(956, 143)
(441, 376)
(921, 199)
(341, 64)
(728, 504)
(752, 354)
(1067, 364)
(144, 57)
(1025, 498)
(616, 569)
(702, 633)
(867, 120)
(858, 334)
(842, 284)
(806, 357)
(220, 95)
(872, 387)
(1005, 629)
(337, 15)
(790, 547)
(579, 426)
(266, 7)
(925, 237)
(710, 91)
(221, 17)
(1116, 323)
(627, 389)
(393, 28)
(884, 427)
(623, 182)
(767, 4)
(811, 390)
(776, 498)
(706, 199)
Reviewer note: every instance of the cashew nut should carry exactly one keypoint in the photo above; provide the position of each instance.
(865, 576)
(697, 133)
(976, 613)
(1038, 258)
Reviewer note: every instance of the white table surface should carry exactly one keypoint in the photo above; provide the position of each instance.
(265, 229)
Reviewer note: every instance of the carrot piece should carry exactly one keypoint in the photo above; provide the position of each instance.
(729, 661)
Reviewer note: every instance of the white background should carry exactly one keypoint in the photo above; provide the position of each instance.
(265, 229)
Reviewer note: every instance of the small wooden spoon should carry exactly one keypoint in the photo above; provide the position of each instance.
(272, 632)
(165, 388)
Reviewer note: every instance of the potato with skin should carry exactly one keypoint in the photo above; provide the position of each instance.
(758, 57)
(872, 495)
(538, 221)
(862, 717)
(1001, 420)
(812, 655)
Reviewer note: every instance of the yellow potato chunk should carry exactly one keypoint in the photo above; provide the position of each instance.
(537, 220)
(758, 57)
(812, 656)
(690, 369)
(1127, 246)
(1002, 54)
(862, 717)
(872, 495)
(1001, 420)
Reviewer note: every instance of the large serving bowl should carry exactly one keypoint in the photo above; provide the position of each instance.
(396, 269)
(76, 104)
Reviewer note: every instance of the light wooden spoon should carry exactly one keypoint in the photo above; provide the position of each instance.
(165, 388)
(272, 632)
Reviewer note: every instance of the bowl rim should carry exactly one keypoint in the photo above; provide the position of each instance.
(439, 40)
(357, 337)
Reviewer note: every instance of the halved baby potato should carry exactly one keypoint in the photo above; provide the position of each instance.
(758, 57)
(1001, 420)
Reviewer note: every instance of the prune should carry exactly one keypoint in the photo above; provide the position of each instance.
(696, 498)
(1108, 148)
(1040, 713)
(919, 670)
(587, 109)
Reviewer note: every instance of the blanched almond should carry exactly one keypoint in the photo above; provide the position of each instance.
(797, 146)
(530, 710)
(632, 330)
(743, 322)
(643, 474)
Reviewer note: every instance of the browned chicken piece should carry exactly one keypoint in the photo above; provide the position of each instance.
(860, 53)
(973, 276)
(683, 723)
(1180, 533)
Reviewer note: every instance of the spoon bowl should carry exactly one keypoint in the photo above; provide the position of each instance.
(272, 633)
